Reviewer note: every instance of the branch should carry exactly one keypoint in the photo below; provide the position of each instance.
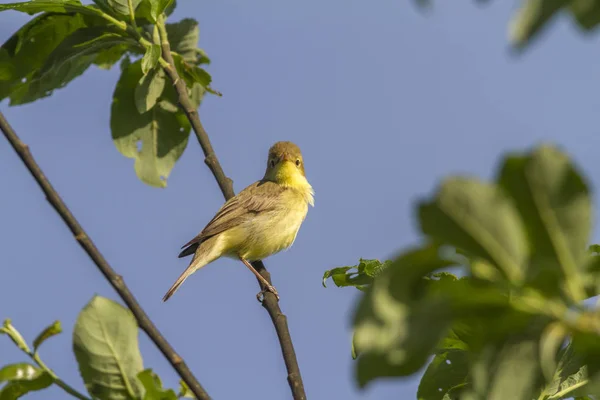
(115, 280)
(270, 302)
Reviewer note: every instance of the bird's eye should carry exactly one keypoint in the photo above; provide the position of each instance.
(272, 163)
(297, 163)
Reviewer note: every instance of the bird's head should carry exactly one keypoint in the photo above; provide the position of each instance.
(285, 166)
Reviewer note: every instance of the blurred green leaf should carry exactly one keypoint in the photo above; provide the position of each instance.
(153, 387)
(47, 333)
(554, 203)
(531, 17)
(109, 57)
(150, 59)
(149, 90)
(586, 12)
(158, 7)
(477, 217)
(105, 342)
(448, 370)
(569, 375)
(396, 325)
(183, 37)
(510, 370)
(155, 139)
(22, 379)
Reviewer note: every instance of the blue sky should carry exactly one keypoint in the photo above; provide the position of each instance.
(383, 100)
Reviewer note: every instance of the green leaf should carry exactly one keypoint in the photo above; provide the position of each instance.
(185, 391)
(47, 333)
(150, 59)
(446, 371)
(158, 7)
(161, 133)
(587, 13)
(153, 387)
(531, 17)
(105, 342)
(507, 371)
(554, 202)
(9, 330)
(183, 37)
(109, 57)
(479, 218)
(570, 374)
(149, 90)
(69, 60)
(38, 6)
(26, 51)
(122, 6)
(396, 326)
(22, 378)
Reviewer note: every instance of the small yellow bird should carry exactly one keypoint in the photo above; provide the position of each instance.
(261, 220)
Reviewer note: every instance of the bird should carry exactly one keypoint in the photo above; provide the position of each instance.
(261, 220)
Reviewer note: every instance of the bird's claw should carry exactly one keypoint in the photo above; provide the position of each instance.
(260, 296)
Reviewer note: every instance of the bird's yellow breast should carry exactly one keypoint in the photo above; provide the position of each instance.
(269, 232)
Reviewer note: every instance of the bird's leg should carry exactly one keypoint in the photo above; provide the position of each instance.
(268, 286)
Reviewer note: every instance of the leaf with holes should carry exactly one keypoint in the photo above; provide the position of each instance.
(68, 60)
(105, 342)
(155, 139)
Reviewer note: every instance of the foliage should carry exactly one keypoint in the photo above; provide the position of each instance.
(105, 344)
(66, 37)
(514, 325)
(532, 17)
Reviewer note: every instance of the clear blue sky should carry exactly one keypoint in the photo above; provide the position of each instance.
(383, 100)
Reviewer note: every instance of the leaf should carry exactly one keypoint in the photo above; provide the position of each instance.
(109, 57)
(531, 17)
(587, 13)
(192, 74)
(47, 333)
(150, 59)
(148, 91)
(105, 342)
(22, 378)
(158, 7)
(162, 133)
(122, 6)
(183, 37)
(554, 203)
(570, 373)
(27, 50)
(446, 371)
(153, 387)
(510, 370)
(70, 59)
(185, 391)
(396, 326)
(477, 217)
(550, 343)
(38, 6)
(9, 330)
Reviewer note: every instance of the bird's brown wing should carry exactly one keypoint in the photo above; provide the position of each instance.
(259, 197)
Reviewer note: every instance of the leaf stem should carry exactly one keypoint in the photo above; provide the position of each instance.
(59, 382)
(562, 393)
(132, 14)
(269, 302)
(116, 281)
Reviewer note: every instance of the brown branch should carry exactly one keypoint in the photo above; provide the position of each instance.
(86, 243)
(270, 302)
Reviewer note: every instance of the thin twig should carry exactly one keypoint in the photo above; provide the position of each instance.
(86, 243)
(270, 302)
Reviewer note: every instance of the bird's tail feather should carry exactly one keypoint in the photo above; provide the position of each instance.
(207, 252)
